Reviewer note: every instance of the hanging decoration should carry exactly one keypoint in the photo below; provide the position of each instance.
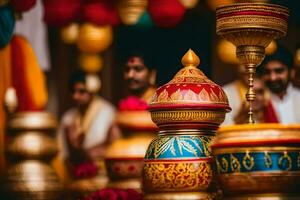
(61, 12)
(189, 3)
(226, 51)
(271, 48)
(90, 63)
(69, 33)
(144, 21)
(166, 13)
(93, 38)
(297, 58)
(101, 13)
(130, 11)
(22, 5)
(7, 24)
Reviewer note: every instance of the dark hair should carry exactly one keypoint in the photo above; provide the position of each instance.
(146, 57)
(78, 76)
(282, 55)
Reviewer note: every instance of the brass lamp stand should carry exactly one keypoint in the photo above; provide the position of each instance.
(251, 27)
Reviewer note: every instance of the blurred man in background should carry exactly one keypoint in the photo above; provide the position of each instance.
(85, 130)
(140, 76)
(262, 106)
(277, 72)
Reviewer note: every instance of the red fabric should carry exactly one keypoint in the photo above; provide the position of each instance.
(166, 13)
(102, 12)
(115, 194)
(25, 103)
(61, 12)
(270, 114)
(132, 103)
(22, 5)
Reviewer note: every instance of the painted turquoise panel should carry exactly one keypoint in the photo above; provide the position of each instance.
(182, 146)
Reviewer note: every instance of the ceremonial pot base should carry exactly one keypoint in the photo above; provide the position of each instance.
(31, 180)
(134, 183)
(264, 197)
(80, 188)
(181, 196)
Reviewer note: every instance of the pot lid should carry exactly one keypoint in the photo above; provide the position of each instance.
(190, 89)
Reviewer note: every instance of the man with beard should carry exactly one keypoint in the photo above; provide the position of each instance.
(277, 73)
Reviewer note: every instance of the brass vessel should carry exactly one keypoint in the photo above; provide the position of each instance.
(29, 149)
(124, 160)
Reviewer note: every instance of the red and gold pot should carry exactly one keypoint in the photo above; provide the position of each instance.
(187, 110)
(260, 161)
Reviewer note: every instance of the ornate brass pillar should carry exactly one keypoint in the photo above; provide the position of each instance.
(251, 27)
(30, 147)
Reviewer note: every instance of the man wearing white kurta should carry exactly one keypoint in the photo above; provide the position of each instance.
(277, 73)
(86, 129)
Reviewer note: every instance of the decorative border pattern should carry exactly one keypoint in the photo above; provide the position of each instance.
(188, 116)
(177, 176)
(179, 147)
(269, 17)
(250, 21)
(197, 93)
(265, 161)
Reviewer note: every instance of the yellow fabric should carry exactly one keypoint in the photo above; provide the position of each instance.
(242, 90)
(83, 123)
(147, 96)
(5, 82)
(61, 169)
(34, 76)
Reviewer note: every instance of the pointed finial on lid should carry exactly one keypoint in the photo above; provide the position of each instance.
(190, 59)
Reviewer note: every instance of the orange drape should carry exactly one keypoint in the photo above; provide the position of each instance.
(5, 77)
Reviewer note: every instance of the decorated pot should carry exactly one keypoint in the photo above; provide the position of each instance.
(125, 157)
(187, 110)
(259, 160)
